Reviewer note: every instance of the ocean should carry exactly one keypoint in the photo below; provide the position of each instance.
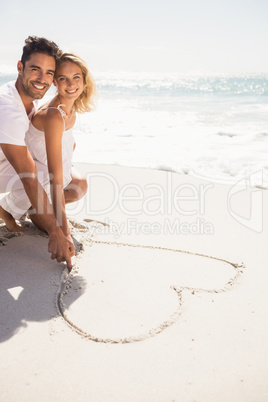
(211, 126)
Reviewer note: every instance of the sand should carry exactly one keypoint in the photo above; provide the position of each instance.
(167, 299)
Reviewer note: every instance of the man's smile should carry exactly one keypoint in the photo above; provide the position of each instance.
(39, 87)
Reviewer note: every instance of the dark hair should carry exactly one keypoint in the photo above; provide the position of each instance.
(34, 44)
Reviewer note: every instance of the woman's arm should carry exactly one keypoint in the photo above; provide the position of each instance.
(53, 128)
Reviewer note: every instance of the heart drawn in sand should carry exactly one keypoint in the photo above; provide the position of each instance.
(129, 293)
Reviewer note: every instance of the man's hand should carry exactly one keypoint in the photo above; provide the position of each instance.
(61, 247)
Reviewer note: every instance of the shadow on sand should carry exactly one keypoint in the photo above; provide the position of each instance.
(29, 280)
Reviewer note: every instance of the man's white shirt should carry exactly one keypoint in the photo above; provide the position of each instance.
(14, 122)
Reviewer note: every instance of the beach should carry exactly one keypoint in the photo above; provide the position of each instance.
(167, 297)
(166, 301)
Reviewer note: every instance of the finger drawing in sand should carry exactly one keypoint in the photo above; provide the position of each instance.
(141, 293)
(121, 292)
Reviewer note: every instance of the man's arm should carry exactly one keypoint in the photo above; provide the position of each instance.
(20, 158)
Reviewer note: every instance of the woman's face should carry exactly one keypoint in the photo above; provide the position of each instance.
(69, 80)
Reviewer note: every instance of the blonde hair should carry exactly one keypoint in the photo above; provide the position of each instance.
(85, 102)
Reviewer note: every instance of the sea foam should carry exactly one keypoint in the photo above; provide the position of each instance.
(214, 126)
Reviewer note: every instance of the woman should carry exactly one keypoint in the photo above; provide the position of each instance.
(50, 138)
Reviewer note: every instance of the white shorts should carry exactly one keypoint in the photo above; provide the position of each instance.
(16, 202)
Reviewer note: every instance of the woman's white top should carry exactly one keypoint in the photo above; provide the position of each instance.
(36, 143)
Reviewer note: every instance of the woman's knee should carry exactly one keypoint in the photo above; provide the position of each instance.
(80, 186)
(75, 190)
(83, 186)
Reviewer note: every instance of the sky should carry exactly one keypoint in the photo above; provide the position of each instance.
(183, 36)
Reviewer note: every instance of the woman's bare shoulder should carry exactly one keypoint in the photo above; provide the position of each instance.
(45, 115)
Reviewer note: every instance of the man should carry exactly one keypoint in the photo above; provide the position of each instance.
(18, 172)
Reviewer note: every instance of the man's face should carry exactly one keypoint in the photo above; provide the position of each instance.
(37, 75)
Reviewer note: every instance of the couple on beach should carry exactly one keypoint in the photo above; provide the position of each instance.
(36, 144)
